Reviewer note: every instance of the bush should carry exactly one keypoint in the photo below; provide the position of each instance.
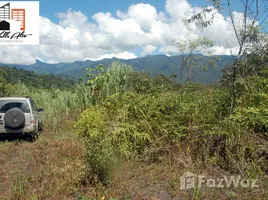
(106, 141)
(142, 125)
(252, 104)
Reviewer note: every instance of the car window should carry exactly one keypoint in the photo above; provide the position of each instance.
(34, 107)
(5, 105)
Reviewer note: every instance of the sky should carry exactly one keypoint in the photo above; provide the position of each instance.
(96, 29)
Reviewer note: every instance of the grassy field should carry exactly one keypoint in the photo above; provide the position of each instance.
(53, 167)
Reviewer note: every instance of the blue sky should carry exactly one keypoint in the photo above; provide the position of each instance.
(96, 29)
(50, 8)
(91, 7)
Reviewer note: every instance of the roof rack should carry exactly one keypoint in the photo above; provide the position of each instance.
(28, 97)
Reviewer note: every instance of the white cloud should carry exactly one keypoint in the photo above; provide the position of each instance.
(143, 14)
(18, 55)
(141, 27)
(169, 49)
(179, 8)
(149, 49)
(124, 55)
(221, 50)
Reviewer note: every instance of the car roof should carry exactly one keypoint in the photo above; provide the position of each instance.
(13, 98)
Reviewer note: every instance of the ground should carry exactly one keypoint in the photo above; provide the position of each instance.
(53, 168)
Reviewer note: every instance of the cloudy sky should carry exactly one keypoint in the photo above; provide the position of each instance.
(79, 30)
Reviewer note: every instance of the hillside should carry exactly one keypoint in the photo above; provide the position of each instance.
(155, 64)
(33, 79)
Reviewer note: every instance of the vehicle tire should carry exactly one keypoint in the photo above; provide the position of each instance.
(40, 127)
(14, 118)
(31, 137)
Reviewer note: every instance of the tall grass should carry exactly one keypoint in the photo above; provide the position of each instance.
(60, 105)
(156, 125)
(147, 126)
(105, 82)
(57, 104)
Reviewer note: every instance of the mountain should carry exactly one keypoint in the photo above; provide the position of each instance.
(155, 64)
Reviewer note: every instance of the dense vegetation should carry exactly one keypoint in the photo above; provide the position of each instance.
(128, 114)
(15, 76)
(154, 119)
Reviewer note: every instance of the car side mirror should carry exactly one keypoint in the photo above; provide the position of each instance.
(40, 109)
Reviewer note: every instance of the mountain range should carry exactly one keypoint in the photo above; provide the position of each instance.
(154, 64)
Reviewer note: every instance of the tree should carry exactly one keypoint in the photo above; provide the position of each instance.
(140, 82)
(190, 51)
(249, 34)
(6, 89)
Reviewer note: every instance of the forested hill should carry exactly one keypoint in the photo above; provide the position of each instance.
(154, 64)
(30, 78)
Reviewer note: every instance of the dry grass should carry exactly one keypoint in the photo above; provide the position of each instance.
(138, 181)
(53, 168)
(48, 168)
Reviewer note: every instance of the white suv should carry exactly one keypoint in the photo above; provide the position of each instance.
(19, 115)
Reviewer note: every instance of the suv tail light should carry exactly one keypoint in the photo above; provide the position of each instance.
(32, 120)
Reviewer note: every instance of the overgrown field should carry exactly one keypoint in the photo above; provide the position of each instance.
(124, 135)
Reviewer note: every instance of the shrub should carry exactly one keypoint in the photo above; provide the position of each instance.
(252, 104)
(106, 141)
(141, 125)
